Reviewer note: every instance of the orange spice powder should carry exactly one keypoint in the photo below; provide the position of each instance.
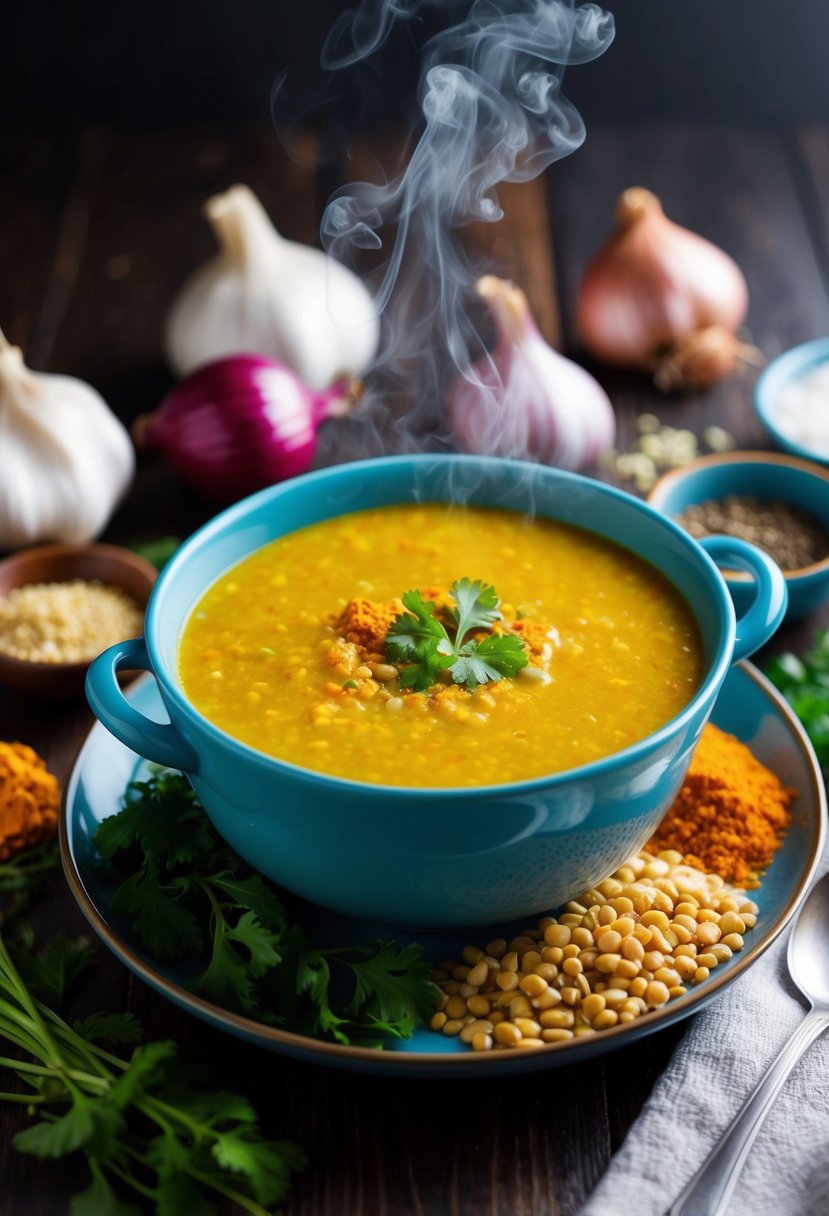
(731, 813)
(29, 799)
(366, 623)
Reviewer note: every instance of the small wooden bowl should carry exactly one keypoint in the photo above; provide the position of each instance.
(60, 564)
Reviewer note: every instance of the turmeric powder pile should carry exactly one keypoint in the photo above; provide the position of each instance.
(365, 623)
(29, 798)
(731, 813)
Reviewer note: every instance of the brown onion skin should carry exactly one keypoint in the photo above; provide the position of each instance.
(705, 356)
(653, 284)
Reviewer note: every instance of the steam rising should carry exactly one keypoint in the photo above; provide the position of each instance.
(493, 111)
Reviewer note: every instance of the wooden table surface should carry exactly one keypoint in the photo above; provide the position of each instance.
(96, 232)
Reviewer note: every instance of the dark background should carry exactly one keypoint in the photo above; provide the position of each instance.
(152, 64)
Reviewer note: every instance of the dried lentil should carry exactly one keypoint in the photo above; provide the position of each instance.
(610, 988)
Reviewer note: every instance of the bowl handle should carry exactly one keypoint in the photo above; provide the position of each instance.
(758, 623)
(156, 741)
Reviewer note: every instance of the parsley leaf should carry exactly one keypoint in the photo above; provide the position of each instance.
(163, 817)
(419, 641)
(88, 1124)
(424, 667)
(268, 1171)
(100, 1199)
(189, 896)
(493, 658)
(163, 921)
(390, 987)
(254, 894)
(418, 624)
(240, 955)
(109, 1028)
(50, 972)
(805, 685)
(477, 607)
(147, 1068)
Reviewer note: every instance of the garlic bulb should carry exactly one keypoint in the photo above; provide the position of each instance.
(525, 400)
(265, 295)
(65, 459)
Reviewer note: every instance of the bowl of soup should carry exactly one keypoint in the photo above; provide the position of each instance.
(337, 656)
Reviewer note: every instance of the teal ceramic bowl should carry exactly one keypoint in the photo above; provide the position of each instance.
(436, 857)
(767, 476)
(792, 365)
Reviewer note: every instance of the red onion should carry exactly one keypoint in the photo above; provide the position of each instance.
(240, 424)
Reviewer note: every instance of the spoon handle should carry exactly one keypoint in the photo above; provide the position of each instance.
(709, 1190)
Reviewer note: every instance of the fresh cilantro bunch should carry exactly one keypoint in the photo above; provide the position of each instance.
(419, 640)
(805, 685)
(144, 1124)
(189, 896)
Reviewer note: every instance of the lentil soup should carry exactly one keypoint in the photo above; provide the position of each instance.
(285, 651)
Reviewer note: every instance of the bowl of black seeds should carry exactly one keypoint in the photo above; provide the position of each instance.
(778, 502)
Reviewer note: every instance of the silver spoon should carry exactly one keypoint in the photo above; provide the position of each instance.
(710, 1189)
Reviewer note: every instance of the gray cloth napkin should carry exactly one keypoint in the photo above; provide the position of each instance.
(724, 1053)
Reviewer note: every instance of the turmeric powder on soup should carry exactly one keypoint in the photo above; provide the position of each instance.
(29, 798)
(730, 814)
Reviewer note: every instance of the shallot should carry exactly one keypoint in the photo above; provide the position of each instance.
(240, 424)
(660, 298)
(524, 399)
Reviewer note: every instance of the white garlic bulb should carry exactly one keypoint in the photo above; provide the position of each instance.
(65, 459)
(265, 295)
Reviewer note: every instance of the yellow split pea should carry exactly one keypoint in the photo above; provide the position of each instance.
(622, 949)
(255, 654)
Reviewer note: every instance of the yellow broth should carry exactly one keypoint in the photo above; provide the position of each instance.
(255, 654)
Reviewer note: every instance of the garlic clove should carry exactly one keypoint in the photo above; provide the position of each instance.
(65, 459)
(526, 400)
(263, 294)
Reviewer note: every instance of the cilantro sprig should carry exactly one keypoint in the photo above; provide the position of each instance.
(189, 896)
(422, 646)
(149, 1128)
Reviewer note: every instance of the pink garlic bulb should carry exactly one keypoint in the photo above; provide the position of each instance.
(525, 400)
